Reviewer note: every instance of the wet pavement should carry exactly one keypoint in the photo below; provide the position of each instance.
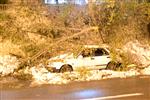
(135, 88)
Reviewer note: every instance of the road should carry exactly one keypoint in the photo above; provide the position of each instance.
(135, 88)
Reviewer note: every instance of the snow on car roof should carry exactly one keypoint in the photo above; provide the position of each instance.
(96, 46)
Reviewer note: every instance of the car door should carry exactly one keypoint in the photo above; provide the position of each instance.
(80, 61)
(87, 54)
(100, 58)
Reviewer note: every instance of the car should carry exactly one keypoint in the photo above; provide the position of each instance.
(90, 56)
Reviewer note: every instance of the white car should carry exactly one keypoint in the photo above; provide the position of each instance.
(90, 56)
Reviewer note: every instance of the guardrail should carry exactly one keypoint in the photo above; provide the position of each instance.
(4, 6)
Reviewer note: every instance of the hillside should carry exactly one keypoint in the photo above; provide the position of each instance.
(37, 32)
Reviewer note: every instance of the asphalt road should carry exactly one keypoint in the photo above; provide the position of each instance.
(135, 88)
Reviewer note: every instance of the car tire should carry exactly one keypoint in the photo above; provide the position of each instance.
(111, 65)
(66, 68)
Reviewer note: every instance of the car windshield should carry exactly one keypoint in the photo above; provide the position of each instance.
(100, 52)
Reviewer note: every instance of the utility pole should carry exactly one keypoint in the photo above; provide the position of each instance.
(56, 1)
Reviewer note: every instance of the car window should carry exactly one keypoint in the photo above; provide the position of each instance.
(94, 52)
(100, 52)
(87, 53)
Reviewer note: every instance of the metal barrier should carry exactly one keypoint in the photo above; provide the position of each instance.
(4, 6)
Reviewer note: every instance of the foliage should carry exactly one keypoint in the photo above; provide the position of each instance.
(83, 72)
(3, 1)
(120, 22)
(21, 75)
(3, 16)
(35, 28)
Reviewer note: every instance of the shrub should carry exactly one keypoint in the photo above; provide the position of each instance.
(3, 1)
(83, 72)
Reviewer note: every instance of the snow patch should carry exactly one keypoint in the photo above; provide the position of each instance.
(139, 52)
(8, 64)
(145, 71)
(41, 76)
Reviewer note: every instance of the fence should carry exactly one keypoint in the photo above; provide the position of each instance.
(4, 7)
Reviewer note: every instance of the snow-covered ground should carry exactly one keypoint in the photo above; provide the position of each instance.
(8, 64)
(139, 53)
(40, 74)
(145, 71)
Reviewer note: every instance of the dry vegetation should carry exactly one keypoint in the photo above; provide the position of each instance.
(40, 29)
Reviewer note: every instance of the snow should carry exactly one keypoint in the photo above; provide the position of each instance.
(145, 71)
(41, 76)
(139, 52)
(8, 64)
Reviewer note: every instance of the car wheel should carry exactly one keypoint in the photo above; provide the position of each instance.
(111, 65)
(119, 66)
(66, 68)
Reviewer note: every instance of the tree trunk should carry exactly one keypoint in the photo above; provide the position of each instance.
(90, 7)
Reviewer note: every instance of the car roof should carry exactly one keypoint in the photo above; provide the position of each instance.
(96, 46)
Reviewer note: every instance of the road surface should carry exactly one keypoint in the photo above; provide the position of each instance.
(135, 88)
